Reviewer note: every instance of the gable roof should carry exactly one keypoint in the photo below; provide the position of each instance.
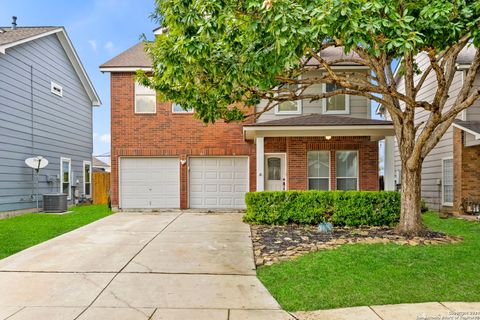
(317, 119)
(131, 59)
(135, 58)
(13, 37)
(472, 127)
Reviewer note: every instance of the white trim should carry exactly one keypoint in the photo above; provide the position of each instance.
(286, 166)
(358, 168)
(299, 104)
(447, 204)
(476, 134)
(463, 66)
(389, 165)
(295, 128)
(69, 160)
(324, 104)
(124, 69)
(260, 156)
(180, 112)
(56, 89)
(329, 169)
(72, 56)
(135, 84)
(84, 180)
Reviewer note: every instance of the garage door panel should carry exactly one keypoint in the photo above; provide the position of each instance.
(218, 182)
(148, 183)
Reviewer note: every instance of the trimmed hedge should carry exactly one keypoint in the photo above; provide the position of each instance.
(342, 208)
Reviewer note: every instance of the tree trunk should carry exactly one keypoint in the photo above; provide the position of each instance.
(410, 213)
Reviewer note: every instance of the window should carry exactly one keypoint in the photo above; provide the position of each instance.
(319, 170)
(56, 89)
(447, 182)
(87, 178)
(145, 99)
(347, 170)
(289, 107)
(66, 176)
(339, 104)
(176, 108)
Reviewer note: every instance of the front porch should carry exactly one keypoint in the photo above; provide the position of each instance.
(321, 152)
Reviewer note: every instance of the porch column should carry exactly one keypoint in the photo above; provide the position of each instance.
(260, 163)
(389, 164)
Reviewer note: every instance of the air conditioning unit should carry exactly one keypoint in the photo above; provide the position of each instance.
(56, 202)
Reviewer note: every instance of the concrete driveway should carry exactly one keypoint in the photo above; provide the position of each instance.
(140, 266)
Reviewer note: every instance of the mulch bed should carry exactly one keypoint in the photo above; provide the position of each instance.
(279, 243)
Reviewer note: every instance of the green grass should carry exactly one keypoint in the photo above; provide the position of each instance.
(21, 232)
(358, 275)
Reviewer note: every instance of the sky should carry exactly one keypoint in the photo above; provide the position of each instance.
(99, 30)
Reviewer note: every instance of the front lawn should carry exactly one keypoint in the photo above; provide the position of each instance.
(359, 275)
(19, 233)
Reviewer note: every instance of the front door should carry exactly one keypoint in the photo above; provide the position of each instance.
(275, 172)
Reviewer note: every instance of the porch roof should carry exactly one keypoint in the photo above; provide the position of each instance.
(319, 125)
(472, 127)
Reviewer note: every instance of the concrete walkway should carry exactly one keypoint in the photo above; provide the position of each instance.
(415, 311)
(140, 266)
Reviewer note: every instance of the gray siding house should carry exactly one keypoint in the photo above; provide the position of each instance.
(451, 172)
(46, 101)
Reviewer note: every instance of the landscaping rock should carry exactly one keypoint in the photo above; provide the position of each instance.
(273, 244)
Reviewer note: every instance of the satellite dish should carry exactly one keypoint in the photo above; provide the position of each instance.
(36, 163)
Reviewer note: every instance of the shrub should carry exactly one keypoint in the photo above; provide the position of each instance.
(342, 208)
(424, 207)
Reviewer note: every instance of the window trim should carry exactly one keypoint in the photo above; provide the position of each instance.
(69, 160)
(358, 170)
(135, 99)
(329, 170)
(324, 104)
(299, 104)
(447, 204)
(180, 112)
(85, 163)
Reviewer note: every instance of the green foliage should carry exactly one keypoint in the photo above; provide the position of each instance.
(220, 53)
(423, 206)
(350, 208)
(21, 232)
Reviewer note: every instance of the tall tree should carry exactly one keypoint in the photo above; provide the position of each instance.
(221, 57)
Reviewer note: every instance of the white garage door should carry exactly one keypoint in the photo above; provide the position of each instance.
(148, 183)
(218, 182)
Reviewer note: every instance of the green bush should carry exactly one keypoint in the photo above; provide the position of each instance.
(424, 207)
(342, 208)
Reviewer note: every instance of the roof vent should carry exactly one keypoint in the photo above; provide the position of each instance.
(2, 31)
(14, 23)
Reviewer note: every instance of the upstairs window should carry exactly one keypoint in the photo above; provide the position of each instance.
(177, 108)
(145, 99)
(339, 104)
(289, 107)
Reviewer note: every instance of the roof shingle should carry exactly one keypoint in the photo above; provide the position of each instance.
(473, 126)
(134, 57)
(319, 120)
(9, 35)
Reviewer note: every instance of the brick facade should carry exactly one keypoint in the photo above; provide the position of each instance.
(466, 175)
(296, 149)
(175, 134)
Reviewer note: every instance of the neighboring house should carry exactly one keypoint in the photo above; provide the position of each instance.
(46, 101)
(451, 172)
(100, 166)
(162, 157)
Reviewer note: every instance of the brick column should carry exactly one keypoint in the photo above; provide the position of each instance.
(457, 169)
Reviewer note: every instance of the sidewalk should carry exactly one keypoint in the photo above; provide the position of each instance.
(415, 311)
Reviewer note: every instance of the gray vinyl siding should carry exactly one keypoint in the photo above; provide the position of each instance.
(432, 165)
(473, 113)
(359, 106)
(51, 126)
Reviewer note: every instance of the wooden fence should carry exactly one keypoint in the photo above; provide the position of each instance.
(101, 187)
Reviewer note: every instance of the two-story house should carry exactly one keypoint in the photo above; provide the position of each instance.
(162, 157)
(450, 173)
(46, 101)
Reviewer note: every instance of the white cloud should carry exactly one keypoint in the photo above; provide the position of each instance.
(105, 138)
(93, 44)
(109, 46)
